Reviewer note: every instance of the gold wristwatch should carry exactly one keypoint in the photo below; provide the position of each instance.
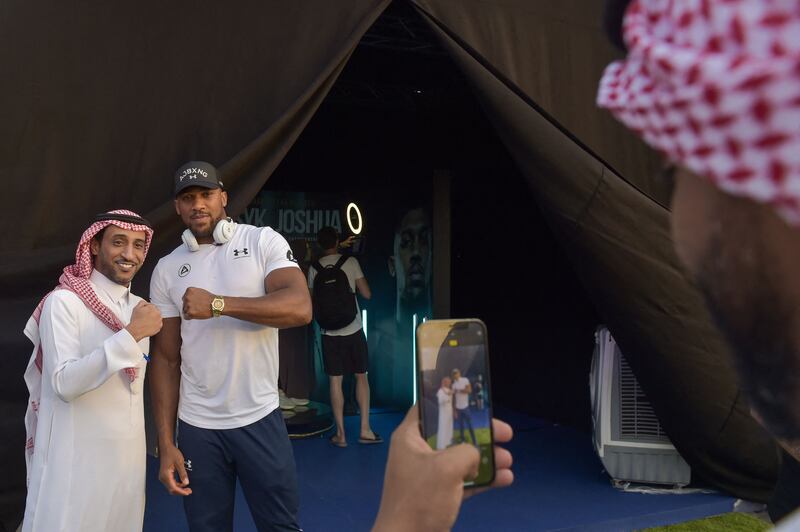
(217, 306)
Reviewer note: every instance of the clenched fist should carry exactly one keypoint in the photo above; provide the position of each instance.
(145, 321)
(197, 303)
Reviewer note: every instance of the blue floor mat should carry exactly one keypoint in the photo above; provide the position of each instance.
(559, 485)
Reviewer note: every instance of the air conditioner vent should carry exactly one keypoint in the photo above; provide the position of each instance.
(627, 436)
(638, 421)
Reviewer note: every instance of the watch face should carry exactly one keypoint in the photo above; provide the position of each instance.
(217, 304)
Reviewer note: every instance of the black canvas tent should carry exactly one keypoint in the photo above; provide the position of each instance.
(101, 102)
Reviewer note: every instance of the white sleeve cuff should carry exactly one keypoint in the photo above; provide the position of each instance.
(122, 351)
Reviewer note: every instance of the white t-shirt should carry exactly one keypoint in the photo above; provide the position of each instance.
(229, 367)
(462, 397)
(352, 269)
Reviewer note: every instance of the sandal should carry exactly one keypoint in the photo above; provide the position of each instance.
(337, 443)
(368, 441)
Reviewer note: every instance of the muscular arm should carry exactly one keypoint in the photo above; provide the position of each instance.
(287, 302)
(165, 378)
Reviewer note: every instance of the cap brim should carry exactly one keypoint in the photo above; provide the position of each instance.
(203, 184)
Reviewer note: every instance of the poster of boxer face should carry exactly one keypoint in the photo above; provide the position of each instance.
(394, 248)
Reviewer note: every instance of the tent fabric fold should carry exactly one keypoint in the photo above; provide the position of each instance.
(103, 102)
(106, 103)
(615, 230)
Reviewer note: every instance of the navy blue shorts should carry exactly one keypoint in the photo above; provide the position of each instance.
(260, 455)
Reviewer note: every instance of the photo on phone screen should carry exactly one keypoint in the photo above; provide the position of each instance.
(454, 396)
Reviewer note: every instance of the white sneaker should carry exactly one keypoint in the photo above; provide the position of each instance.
(285, 402)
(300, 401)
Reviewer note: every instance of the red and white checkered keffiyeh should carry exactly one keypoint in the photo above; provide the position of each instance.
(715, 86)
(76, 279)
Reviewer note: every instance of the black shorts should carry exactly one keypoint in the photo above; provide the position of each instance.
(345, 354)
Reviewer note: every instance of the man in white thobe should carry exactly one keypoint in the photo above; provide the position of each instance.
(85, 421)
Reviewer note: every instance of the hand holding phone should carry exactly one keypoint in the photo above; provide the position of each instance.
(423, 488)
(452, 359)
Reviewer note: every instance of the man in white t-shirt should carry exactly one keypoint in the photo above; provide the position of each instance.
(223, 294)
(461, 390)
(344, 349)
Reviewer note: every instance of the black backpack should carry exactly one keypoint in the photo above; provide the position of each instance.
(334, 303)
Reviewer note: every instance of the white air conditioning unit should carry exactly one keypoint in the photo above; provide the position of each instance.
(628, 437)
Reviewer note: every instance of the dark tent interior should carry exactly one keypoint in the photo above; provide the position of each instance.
(400, 112)
(558, 223)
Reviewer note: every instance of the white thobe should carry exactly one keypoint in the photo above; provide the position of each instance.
(444, 434)
(88, 467)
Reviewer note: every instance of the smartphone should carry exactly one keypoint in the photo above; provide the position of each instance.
(453, 390)
(356, 246)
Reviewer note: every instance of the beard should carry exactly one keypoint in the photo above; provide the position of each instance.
(108, 268)
(208, 231)
(758, 323)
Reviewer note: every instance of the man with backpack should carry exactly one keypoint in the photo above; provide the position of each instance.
(333, 281)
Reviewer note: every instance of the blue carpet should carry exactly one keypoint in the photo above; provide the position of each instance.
(559, 485)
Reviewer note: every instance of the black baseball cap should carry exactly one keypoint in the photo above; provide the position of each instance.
(197, 174)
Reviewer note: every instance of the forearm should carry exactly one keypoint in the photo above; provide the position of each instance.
(282, 308)
(165, 380)
(394, 514)
(393, 523)
(362, 287)
(74, 376)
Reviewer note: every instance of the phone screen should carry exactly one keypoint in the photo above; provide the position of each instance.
(454, 395)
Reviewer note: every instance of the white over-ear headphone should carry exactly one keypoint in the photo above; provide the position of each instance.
(223, 232)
